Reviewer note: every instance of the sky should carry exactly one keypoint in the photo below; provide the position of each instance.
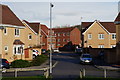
(63, 13)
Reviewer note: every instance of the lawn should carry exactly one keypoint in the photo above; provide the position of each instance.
(26, 78)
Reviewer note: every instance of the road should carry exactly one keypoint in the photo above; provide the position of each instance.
(68, 67)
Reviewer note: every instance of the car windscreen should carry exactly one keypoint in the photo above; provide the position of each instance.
(86, 56)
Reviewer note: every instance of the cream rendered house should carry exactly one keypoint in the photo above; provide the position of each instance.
(16, 36)
(99, 34)
(11, 31)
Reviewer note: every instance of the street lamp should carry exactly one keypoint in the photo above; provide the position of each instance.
(50, 72)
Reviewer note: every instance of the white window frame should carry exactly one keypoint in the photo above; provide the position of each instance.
(68, 34)
(5, 31)
(113, 36)
(101, 36)
(100, 46)
(18, 47)
(89, 36)
(17, 32)
(29, 36)
(58, 44)
(58, 40)
(6, 47)
(58, 34)
(63, 34)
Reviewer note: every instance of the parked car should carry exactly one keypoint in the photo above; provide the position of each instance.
(78, 50)
(35, 53)
(56, 50)
(43, 51)
(86, 59)
(4, 64)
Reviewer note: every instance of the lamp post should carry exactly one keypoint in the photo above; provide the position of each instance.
(50, 72)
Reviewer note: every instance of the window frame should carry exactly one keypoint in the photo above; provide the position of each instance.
(101, 36)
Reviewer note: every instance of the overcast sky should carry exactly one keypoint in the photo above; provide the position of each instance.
(64, 13)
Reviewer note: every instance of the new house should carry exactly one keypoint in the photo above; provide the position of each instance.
(99, 34)
(48, 40)
(67, 34)
(16, 36)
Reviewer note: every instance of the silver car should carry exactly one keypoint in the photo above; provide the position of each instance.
(86, 59)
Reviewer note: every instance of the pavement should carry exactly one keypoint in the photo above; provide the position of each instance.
(43, 66)
(102, 65)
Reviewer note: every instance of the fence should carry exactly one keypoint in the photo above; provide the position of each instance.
(16, 70)
(102, 73)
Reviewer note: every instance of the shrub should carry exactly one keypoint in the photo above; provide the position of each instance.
(39, 60)
(20, 63)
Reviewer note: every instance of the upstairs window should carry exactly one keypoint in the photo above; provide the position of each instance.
(5, 31)
(89, 36)
(30, 36)
(17, 32)
(113, 36)
(100, 36)
(100, 46)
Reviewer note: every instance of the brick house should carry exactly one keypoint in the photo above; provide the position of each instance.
(15, 36)
(117, 23)
(65, 35)
(45, 38)
(99, 34)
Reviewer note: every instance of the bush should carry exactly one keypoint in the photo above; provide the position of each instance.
(39, 60)
(20, 63)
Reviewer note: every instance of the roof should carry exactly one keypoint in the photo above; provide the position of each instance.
(109, 26)
(18, 42)
(67, 29)
(44, 29)
(117, 20)
(8, 17)
(34, 26)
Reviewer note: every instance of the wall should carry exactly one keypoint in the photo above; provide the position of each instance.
(0, 43)
(75, 36)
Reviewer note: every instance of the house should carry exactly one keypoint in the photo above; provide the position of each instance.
(11, 35)
(117, 23)
(32, 39)
(99, 34)
(17, 37)
(46, 39)
(67, 34)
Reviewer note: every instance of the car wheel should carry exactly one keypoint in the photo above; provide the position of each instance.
(4, 70)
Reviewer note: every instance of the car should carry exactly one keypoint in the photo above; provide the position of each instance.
(43, 51)
(78, 50)
(86, 59)
(4, 64)
(56, 50)
(35, 53)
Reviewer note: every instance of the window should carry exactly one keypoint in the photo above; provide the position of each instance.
(68, 40)
(30, 36)
(64, 40)
(18, 49)
(63, 34)
(5, 31)
(58, 44)
(68, 34)
(58, 34)
(113, 36)
(17, 32)
(100, 46)
(100, 36)
(89, 36)
(6, 48)
(58, 40)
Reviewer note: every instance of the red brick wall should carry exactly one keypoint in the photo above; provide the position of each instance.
(44, 40)
(75, 36)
